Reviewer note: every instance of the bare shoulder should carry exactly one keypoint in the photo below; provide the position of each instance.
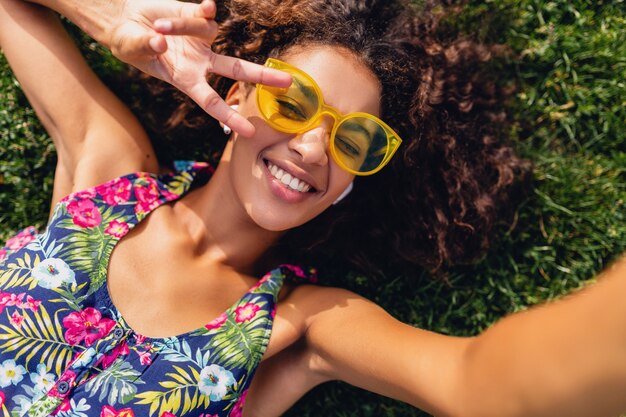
(299, 307)
(312, 297)
(313, 302)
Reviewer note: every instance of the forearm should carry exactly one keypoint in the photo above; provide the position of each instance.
(92, 127)
(564, 358)
(95, 17)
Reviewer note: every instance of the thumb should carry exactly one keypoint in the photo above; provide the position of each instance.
(128, 46)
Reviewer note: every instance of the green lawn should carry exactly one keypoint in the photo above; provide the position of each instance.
(569, 118)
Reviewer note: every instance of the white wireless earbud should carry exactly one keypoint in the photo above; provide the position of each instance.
(345, 193)
(228, 130)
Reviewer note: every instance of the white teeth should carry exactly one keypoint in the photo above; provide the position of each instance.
(287, 179)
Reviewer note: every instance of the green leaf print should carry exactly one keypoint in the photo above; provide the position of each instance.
(272, 285)
(175, 350)
(119, 382)
(181, 393)
(241, 345)
(18, 273)
(180, 183)
(69, 296)
(37, 334)
(44, 407)
(88, 249)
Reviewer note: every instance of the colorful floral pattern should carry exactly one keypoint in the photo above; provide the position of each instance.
(66, 351)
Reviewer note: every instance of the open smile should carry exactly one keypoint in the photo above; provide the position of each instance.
(289, 180)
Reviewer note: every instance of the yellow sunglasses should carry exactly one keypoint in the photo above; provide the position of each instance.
(360, 143)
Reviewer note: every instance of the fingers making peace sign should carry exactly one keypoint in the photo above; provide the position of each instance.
(171, 40)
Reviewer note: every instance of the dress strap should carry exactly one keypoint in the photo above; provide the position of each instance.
(131, 197)
(272, 282)
(296, 274)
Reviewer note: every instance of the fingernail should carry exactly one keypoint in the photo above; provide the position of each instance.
(155, 44)
(247, 129)
(164, 25)
(207, 6)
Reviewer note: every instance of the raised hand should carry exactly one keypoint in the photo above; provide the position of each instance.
(171, 40)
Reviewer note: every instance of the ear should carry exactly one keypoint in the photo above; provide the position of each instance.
(235, 94)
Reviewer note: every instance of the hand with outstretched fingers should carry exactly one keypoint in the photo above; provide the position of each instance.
(171, 40)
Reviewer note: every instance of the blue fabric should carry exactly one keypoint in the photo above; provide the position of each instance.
(65, 350)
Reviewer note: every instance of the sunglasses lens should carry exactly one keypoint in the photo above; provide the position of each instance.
(289, 109)
(360, 144)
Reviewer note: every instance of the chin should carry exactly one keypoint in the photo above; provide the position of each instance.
(274, 220)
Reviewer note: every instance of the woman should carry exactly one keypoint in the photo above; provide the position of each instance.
(179, 238)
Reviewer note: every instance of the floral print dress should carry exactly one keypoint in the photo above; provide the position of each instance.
(66, 351)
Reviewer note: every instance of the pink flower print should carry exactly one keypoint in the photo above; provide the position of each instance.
(273, 313)
(88, 193)
(2, 398)
(216, 323)
(107, 359)
(3, 254)
(108, 411)
(147, 195)
(117, 229)
(84, 213)
(67, 377)
(167, 414)
(31, 304)
(8, 299)
(21, 239)
(3, 298)
(298, 271)
(87, 325)
(63, 407)
(145, 358)
(260, 282)
(116, 191)
(238, 408)
(169, 196)
(201, 165)
(17, 319)
(246, 312)
(139, 339)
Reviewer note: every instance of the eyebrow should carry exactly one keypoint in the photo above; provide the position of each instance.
(306, 91)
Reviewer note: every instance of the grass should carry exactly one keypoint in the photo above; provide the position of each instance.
(569, 118)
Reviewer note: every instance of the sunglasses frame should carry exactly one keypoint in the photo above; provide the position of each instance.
(393, 140)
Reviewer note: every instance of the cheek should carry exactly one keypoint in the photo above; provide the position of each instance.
(340, 180)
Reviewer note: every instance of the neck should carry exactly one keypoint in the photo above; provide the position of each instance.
(220, 228)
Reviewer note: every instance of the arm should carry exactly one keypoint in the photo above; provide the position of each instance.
(170, 40)
(356, 341)
(563, 358)
(346, 337)
(96, 136)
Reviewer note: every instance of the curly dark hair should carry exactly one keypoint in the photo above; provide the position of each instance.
(453, 179)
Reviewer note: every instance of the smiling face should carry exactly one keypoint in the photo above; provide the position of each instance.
(284, 180)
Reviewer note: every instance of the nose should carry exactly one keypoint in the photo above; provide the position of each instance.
(312, 145)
